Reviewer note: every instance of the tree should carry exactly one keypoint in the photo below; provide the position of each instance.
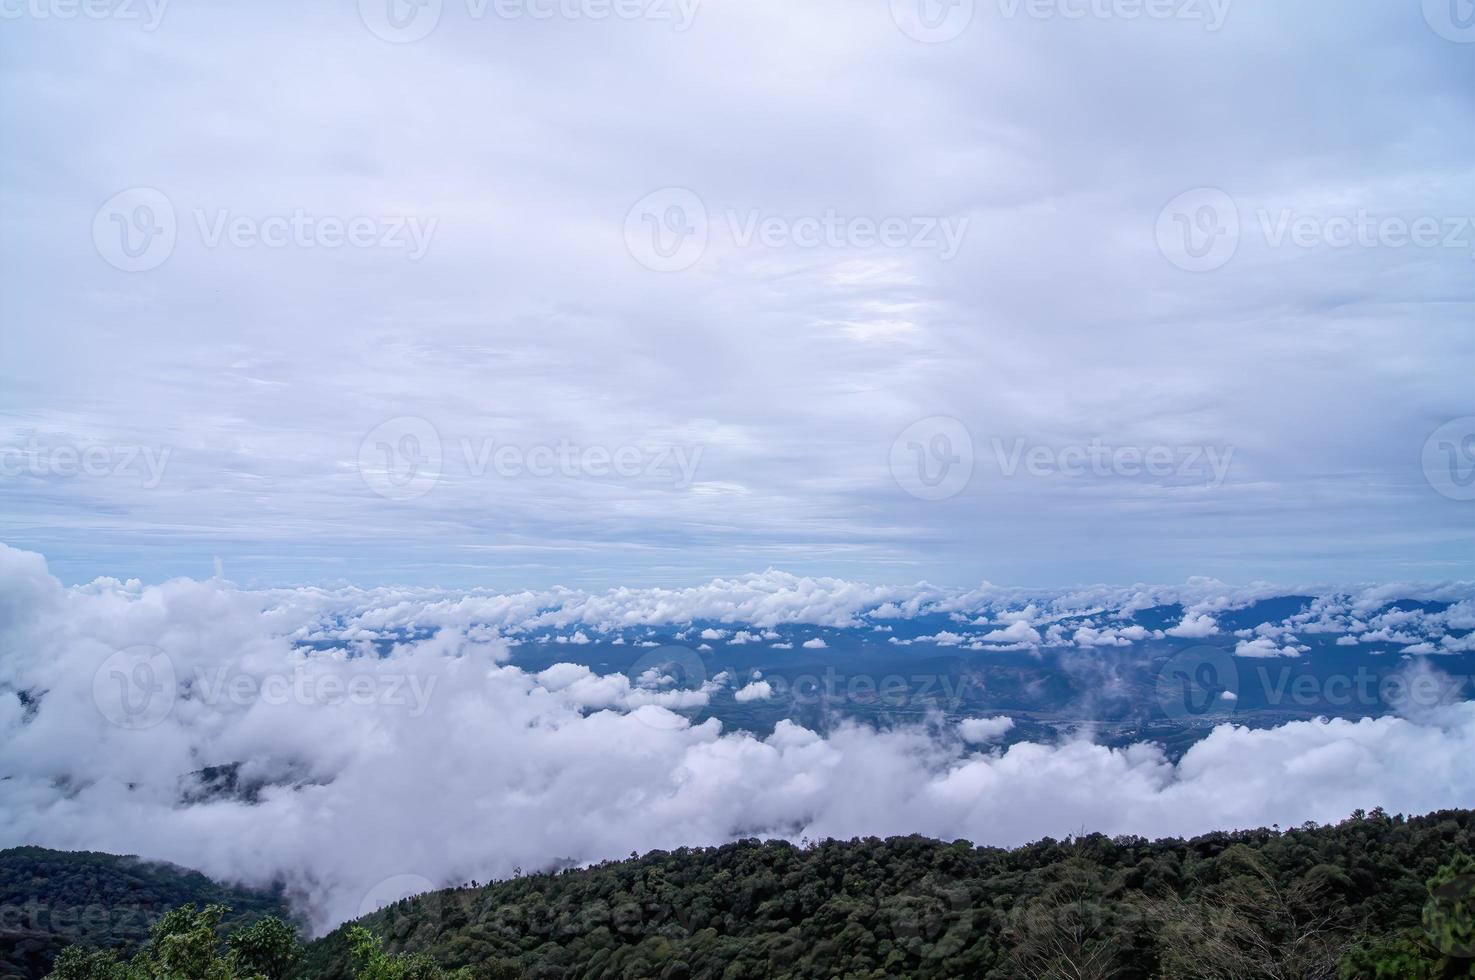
(1068, 931)
(1449, 915)
(1253, 926)
(373, 963)
(1444, 949)
(77, 963)
(269, 947)
(183, 945)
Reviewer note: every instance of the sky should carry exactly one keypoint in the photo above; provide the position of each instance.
(520, 293)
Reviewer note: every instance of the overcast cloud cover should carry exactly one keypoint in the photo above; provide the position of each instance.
(522, 314)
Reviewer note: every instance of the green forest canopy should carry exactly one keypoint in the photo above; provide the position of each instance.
(1376, 896)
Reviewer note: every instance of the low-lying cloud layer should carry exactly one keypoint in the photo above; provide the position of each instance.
(982, 618)
(442, 762)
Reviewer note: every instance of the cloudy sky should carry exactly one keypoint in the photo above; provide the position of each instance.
(514, 293)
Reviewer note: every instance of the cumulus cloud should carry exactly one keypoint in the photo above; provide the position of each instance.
(364, 768)
(755, 691)
(1263, 647)
(983, 730)
(943, 638)
(1017, 632)
(1026, 615)
(1461, 615)
(1088, 636)
(1195, 626)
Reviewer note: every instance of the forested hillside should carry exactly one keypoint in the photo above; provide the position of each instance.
(1376, 897)
(50, 899)
(1303, 903)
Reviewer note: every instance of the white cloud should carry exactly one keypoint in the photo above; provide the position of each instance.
(984, 730)
(755, 691)
(1018, 632)
(1461, 615)
(1088, 636)
(1026, 615)
(1263, 647)
(1195, 626)
(945, 638)
(815, 644)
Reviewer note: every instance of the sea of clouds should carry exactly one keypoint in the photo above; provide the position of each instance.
(375, 770)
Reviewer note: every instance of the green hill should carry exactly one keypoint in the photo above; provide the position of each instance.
(51, 899)
(1375, 897)
(1259, 903)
